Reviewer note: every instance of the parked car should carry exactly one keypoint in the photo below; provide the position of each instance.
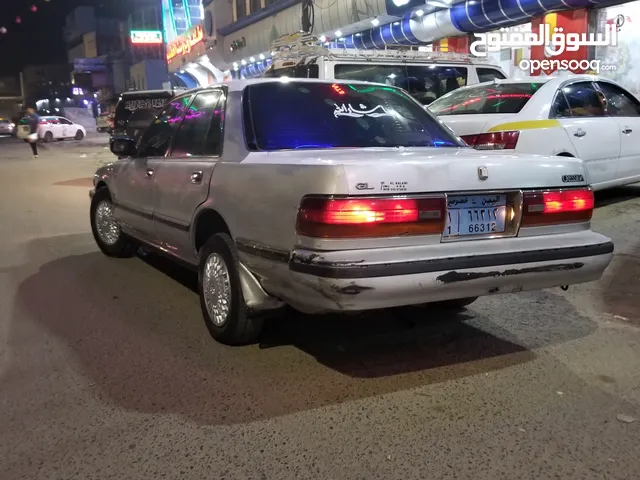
(7, 127)
(335, 197)
(136, 109)
(59, 128)
(104, 122)
(584, 116)
(425, 75)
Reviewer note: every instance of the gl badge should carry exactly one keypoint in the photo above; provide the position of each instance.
(483, 173)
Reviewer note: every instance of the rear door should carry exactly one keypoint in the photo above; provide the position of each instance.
(580, 109)
(624, 108)
(183, 178)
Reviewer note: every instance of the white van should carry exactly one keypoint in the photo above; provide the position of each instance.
(425, 75)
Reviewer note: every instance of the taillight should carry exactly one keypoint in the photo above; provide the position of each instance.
(554, 207)
(493, 141)
(370, 217)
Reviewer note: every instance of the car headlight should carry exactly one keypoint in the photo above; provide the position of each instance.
(13, 125)
(95, 179)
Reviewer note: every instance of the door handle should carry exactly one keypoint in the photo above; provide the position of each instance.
(148, 173)
(627, 131)
(579, 133)
(196, 177)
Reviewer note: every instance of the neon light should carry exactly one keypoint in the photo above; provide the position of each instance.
(146, 37)
(185, 43)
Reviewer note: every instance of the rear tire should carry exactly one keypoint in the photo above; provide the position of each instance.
(79, 135)
(106, 232)
(455, 304)
(221, 299)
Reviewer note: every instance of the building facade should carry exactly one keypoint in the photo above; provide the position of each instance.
(235, 36)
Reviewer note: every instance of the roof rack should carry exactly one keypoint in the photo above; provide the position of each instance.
(299, 46)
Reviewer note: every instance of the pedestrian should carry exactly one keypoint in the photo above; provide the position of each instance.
(33, 120)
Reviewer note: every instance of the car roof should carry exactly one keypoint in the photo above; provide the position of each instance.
(239, 85)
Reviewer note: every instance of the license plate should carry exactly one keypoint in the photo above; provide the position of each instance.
(475, 215)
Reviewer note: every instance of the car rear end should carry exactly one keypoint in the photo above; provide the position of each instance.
(360, 253)
(501, 115)
(424, 221)
(7, 127)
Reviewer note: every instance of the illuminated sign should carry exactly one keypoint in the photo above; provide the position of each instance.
(146, 37)
(185, 43)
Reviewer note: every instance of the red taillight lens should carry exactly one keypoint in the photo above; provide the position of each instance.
(370, 217)
(493, 141)
(553, 207)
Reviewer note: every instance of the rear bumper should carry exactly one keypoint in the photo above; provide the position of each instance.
(317, 282)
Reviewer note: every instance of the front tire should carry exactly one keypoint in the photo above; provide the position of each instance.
(221, 298)
(79, 135)
(48, 137)
(106, 232)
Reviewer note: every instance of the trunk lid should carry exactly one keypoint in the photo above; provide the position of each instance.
(419, 170)
(473, 124)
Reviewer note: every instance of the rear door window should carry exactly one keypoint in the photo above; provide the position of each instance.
(499, 98)
(200, 133)
(155, 141)
(489, 74)
(582, 99)
(425, 83)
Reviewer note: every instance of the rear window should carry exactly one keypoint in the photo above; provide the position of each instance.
(483, 99)
(138, 112)
(295, 115)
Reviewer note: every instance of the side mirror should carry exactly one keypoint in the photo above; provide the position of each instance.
(123, 146)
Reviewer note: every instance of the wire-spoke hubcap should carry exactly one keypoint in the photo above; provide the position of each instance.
(106, 226)
(216, 289)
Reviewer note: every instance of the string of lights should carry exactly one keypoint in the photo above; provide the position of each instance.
(33, 9)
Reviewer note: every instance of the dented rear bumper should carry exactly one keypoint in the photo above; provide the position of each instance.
(326, 286)
(367, 279)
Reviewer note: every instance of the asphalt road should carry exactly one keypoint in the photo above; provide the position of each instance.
(107, 371)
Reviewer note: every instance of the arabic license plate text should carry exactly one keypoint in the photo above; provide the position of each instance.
(475, 215)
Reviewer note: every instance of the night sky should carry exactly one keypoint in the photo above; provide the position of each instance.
(38, 39)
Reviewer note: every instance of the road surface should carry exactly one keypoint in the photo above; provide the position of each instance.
(107, 370)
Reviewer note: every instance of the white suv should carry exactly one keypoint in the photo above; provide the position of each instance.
(425, 75)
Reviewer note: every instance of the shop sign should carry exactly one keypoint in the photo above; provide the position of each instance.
(185, 42)
(146, 37)
(554, 40)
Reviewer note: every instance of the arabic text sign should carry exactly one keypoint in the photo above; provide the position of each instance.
(185, 42)
(554, 40)
(362, 111)
(146, 37)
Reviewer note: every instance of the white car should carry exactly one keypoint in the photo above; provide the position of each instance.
(338, 196)
(583, 116)
(59, 128)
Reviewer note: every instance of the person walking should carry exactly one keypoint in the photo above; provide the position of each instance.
(33, 120)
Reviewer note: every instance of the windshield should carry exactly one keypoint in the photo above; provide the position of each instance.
(293, 115)
(425, 83)
(483, 99)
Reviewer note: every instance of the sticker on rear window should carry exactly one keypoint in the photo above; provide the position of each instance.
(134, 105)
(350, 111)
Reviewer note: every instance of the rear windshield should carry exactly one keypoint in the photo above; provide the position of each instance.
(498, 98)
(295, 115)
(138, 112)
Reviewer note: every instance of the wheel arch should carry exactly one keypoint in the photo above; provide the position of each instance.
(207, 222)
